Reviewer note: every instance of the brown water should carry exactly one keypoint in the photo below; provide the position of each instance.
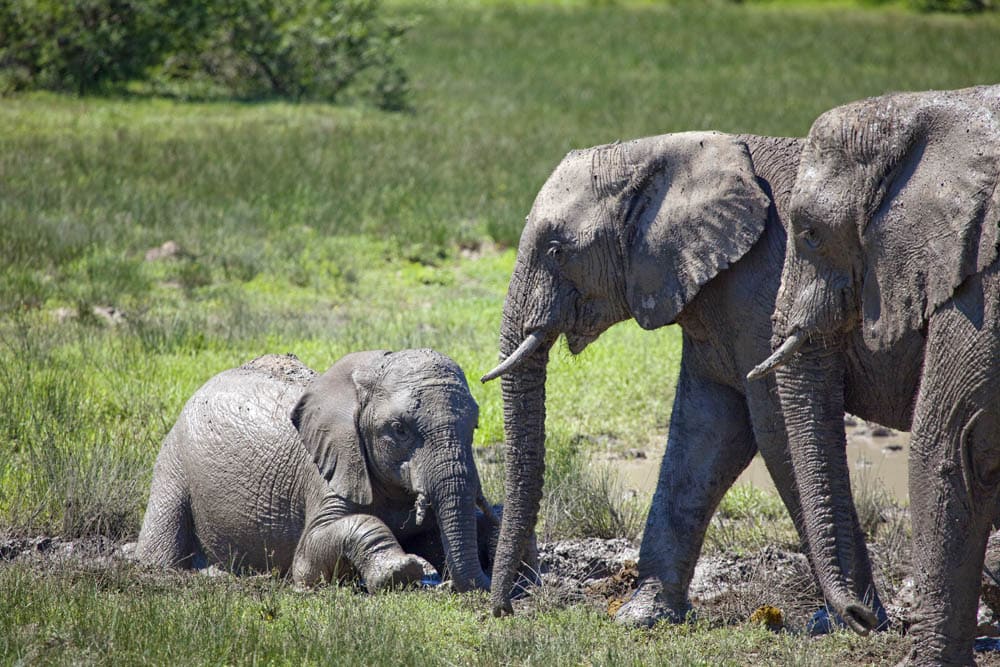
(878, 459)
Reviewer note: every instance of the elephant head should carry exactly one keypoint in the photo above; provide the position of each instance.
(895, 205)
(399, 426)
(623, 230)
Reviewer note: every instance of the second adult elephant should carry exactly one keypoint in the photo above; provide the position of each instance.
(896, 220)
(683, 228)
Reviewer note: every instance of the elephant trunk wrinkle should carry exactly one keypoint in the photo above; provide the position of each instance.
(811, 393)
(453, 498)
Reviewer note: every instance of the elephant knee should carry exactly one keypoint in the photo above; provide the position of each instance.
(980, 444)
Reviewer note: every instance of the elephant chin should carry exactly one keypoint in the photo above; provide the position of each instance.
(578, 342)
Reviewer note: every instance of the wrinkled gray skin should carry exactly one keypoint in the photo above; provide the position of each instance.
(681, 228)
(273, 467)
(894, 218)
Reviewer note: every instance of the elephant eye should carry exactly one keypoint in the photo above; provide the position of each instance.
(399, 429)
(811, 237)
(555, 247)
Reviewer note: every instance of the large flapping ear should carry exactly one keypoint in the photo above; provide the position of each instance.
(326, 418)
(694, 208)
(935, 217)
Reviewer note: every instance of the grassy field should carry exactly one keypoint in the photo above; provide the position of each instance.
(320, 230)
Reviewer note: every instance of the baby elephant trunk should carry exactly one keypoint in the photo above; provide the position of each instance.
(454, 497)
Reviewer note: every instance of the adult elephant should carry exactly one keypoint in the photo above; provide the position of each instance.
(895, 216)
(681, 228)
(365, 470)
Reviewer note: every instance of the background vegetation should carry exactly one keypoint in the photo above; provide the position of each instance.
(320, 230)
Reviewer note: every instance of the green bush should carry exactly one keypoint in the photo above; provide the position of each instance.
(954, 6)
(77, 45)
(296, 48)
(243, 48)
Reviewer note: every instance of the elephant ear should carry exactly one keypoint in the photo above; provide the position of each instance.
(326, 418)
(695, 207)
(934, 219)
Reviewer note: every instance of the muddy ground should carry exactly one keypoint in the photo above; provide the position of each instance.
(770, 585)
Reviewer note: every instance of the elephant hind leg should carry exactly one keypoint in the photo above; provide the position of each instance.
(167, 537)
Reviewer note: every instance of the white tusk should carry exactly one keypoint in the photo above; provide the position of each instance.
(421, 508)
(524, 350)
(779, 357)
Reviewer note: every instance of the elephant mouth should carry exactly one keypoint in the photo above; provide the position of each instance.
(579, 341)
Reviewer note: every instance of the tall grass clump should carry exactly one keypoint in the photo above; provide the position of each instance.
(582, 500)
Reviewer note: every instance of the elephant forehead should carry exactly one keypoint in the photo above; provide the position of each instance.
(571, 186)
(414, 381)
(417, 366)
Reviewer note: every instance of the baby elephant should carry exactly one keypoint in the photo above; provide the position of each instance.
(365, 470)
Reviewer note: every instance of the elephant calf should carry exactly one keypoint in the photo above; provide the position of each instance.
(365, 470)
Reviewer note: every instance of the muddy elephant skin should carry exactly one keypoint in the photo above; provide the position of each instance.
(365, 470)
(683, 228)
(894, 219)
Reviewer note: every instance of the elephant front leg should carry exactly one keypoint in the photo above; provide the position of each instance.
(357, 543)
(954, 482)
(709, 444)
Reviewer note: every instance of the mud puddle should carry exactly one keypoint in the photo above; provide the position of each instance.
(876, 455)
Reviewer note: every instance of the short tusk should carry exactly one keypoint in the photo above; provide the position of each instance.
(779, 357)
(420, 507)
(524, 350)
(487, 509)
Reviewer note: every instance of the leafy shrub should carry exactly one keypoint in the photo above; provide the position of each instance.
(76, 45)
(954, 6)
(245, 48)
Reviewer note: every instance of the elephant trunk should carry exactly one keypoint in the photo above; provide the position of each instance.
(454, 496)
(811, 389)
(523, 391)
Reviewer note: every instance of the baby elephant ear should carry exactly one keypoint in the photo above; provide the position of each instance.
(935, 218)
(695, 209)
(326, 419)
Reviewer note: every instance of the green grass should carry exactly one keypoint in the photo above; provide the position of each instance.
(321, 230)
(126, 616)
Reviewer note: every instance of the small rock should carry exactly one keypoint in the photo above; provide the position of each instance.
(109, 314)
(823, 623)
(879, 431)
(903, 601)
(850, 420)
(169, 250)
(892, 448)
(63, 315)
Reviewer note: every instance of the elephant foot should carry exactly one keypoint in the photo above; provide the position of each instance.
(648, 605)
(940, 651)
(397, 571)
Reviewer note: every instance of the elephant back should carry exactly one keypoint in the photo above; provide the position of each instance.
(282, 367)
(247, 474)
